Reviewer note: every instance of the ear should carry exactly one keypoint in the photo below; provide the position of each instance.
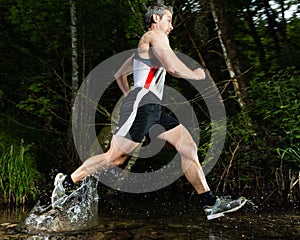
(155, 18)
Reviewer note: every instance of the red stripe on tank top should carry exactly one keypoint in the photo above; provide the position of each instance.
(150, 77)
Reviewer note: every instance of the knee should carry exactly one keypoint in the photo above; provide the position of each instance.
(194, 150)
(188, 149)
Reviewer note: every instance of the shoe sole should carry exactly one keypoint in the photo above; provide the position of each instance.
(222, 214)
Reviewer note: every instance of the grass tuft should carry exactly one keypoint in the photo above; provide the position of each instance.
(17, 174)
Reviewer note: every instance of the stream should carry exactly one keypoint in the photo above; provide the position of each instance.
(135, 220)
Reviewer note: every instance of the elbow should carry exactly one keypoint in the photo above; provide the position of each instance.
(117, 79)
(171, 70)
(120, 78)
(117, 76)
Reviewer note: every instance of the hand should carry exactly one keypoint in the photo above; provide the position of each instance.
(200, 73)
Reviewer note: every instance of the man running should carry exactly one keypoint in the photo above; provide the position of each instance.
(141, 110)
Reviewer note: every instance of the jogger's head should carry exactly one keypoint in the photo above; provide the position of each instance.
(157, 9)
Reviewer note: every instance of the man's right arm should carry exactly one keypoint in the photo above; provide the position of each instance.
(121, 75)
(169, 60)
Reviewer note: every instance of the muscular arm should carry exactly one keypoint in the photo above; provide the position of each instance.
(162, 50)
(121, 75)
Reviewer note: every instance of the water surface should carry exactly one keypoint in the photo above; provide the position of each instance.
(169, 222)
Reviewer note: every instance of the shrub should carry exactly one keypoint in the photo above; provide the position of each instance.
(277, 106)
(17, 174)
(261, 152)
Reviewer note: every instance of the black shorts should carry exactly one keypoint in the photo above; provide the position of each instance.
(141, 111)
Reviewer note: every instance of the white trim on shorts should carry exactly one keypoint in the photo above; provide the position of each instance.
(124, 129)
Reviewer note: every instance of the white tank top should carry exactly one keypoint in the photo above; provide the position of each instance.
(149, 74)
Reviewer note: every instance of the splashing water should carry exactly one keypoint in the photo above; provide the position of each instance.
(76, 211)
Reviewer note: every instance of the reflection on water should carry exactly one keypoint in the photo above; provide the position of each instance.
(131, 220)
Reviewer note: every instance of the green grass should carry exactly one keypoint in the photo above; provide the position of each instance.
(17, 174)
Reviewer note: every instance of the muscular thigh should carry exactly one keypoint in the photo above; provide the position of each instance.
(179, 137)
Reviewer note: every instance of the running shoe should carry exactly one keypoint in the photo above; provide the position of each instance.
(61, 189)
(224, 205)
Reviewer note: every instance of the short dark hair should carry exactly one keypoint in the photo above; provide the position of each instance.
(155, 9)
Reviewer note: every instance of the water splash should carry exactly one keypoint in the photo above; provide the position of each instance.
(76, 211)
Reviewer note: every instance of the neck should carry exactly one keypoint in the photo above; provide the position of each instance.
(154, 26)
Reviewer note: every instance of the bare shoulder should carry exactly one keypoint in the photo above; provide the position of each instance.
(153, 37)
(154, 33)
(160, 40)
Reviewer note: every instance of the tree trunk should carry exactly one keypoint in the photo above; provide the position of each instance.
(141, 24)
(257, 40)
(283, 33)
(228, 48)
(74, 50)
(75, 81)
(272, 25)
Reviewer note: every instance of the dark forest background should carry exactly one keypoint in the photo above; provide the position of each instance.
(251, 49)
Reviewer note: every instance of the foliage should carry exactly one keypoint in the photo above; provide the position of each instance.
(35, 86)
(290, 155)
(263, 155)
(18, 175)
(277, 106)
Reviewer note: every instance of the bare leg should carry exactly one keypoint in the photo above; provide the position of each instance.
(181, 139)
(117, 154)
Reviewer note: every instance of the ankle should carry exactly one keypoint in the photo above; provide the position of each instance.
(208, 198)
(68, 182)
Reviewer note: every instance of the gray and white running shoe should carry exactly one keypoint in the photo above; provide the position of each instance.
(61, 190)
(224, 205)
